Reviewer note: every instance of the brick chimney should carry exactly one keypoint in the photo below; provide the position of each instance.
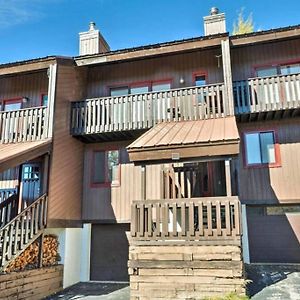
(92, 42)
(215, 22)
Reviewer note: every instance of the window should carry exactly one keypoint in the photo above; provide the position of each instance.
(151, 86)
(290, 69)
(119, 91)
(105, 168)
(139, 89)
(268, 71)
(279, 69)
(13, 104)
(161, 86)
(260, 148)
(44, 100)
(200, 80)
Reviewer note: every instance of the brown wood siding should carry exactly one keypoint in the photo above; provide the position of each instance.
(276, 184)
(244, 58)
(65, 189)
(113, 203)
(31, 85)
(171, 67)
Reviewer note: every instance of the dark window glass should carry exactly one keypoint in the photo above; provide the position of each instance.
(119, 91)
(99, 167)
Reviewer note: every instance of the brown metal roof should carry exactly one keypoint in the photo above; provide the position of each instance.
(187, 139)
(14, 154)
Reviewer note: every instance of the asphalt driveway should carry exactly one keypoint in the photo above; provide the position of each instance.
(94, 291)
(268, 282)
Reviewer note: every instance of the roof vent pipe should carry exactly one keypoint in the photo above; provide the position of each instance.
(214, 11)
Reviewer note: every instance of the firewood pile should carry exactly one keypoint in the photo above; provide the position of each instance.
(29, 258)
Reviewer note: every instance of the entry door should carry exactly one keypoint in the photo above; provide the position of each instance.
(31, 182)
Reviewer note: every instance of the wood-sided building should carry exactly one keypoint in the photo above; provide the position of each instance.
(130, 91)
(186, 143)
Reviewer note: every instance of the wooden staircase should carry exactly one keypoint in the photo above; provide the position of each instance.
(19, 231)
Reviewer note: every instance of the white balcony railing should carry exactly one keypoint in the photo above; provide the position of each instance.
(142, 111)
(267, 94)
(23, 125)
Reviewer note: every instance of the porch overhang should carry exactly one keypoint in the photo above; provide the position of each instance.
(185, 140)
(14, 154)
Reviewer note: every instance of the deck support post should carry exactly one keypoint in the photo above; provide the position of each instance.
(228, 178)
(20, 190)
(143, 184)
(45, 174)
(41, 248)
(228, 86)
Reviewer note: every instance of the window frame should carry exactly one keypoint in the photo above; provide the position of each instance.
(106, 184)
(277, 162)
(276, 64)
(11, 101)
(199, 73)
(135, 84)
(41, 99)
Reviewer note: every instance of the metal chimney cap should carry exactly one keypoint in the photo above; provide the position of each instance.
(214, 11)
(92, 26)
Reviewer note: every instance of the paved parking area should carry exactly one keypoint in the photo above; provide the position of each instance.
(94, 291)
(274, 282)
(269, 282)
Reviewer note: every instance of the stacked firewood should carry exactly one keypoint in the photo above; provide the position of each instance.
(50, 251)
(29, 258)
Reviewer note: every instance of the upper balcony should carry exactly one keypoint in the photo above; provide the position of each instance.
(122, 116)
(267, 96)
(24, 125)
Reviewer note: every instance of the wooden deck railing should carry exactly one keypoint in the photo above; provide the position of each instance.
(267, 94)
(23, 229)
(6, 193)
(142, 111)
(194, 219)
(23, 125)
(8, 209)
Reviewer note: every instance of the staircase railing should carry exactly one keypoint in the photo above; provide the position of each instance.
(22, 230)
(8, 209)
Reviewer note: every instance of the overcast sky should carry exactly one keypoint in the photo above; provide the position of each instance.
(37, 28)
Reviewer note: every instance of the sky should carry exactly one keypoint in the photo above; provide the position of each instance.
(37, 28)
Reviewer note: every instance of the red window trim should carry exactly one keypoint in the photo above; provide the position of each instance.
(275, 63)
(92, 164)
(199, 73)
(277, 163)
(12, 101)
(148, 83)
